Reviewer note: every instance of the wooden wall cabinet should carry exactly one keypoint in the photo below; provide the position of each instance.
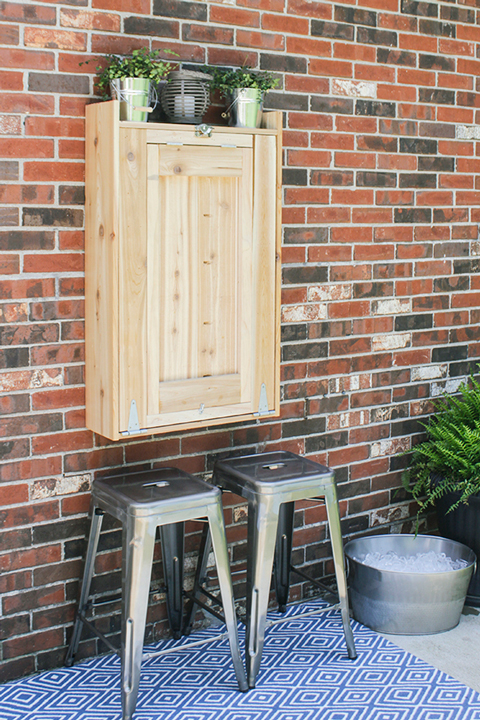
(182, 274)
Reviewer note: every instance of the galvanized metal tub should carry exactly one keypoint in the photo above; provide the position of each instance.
(407, 603)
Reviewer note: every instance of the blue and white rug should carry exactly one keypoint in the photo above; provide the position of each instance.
(305, 675)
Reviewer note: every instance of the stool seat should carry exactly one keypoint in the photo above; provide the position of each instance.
(154, 492)
(275, 473)
(165, 498)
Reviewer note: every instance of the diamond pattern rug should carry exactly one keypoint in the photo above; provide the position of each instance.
(305, 675)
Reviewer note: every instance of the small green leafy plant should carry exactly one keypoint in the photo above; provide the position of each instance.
(227, 79)
(449, 459)
(141, 63)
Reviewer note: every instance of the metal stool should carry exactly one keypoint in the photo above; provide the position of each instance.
(271, 482)
(142, 502)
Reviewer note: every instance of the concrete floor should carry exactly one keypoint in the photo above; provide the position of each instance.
(456, 652)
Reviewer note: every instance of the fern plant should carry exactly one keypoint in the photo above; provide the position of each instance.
(449, 459)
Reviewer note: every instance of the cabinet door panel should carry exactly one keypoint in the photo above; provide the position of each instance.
(200, 275)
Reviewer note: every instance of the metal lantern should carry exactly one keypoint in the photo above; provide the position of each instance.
(186, 96)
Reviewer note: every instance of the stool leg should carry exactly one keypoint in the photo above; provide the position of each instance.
(137, 558)
(333, 515)
(200, 575)
(172, 537)
(283, 554)
(262, 530)
(217, 530)
(95, 528)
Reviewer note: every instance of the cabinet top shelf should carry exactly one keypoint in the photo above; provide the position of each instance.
(272, 119)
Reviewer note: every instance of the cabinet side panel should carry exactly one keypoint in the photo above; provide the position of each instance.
(101, 269)
(264, 235)
(133, 274)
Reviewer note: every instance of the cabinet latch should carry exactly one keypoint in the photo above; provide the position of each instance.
(203, 130)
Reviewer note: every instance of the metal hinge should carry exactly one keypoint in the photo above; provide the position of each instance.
(263, 403)
(133, 424)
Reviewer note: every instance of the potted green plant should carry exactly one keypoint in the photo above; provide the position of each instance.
(444, 470)
(133, 79)
(245, 90)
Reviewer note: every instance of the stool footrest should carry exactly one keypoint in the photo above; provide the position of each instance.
(317, 583)
(302, 615)
(98, 633)
(185, 646)
(207, 608)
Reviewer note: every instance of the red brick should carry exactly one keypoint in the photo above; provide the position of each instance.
(356, 124)
(61, 442)
(13, 494)
(308, 158)
(11, 81)
(57, 354)
(355, 160)
(334, 141)
(305, 196)
(465, 300)
(456, 181)
(9, 264)
(352, 51)
(351, 235)
(60, 39)
(26, 148)
(285, 24)
(352, 197)
(51, 399)
(73, 106)
(371, 215)
(449, 80)
(447, 46)
(412, 357)
(347, 455)
(295, 139)
(352, 309)
(10, 35)
(28, 59)
(234, 16)
(225, 56)
(36, 641)
(308, 46)
(330, 253)
(29, 13)
(62, 262)
(131, 6)
(328, 215)
(319, 10)
(54, 171)
(394, 197)
(417, 42)
(455, 114)
(55, 127)
(374, 252)
(410, 76)
(396, 162)
(314, 121)
(71, 240)
(293, 215)
(266, 41)
(375, 74)
(335, 68)
(84, 19)
(434, 199)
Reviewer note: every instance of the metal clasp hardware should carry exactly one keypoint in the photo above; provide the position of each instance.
(203, 130)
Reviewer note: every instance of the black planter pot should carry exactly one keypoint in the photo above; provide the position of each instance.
(463, 525)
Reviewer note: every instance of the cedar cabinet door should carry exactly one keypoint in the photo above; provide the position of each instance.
(198, 299)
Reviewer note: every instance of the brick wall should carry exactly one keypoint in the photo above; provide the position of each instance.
(381, 305)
